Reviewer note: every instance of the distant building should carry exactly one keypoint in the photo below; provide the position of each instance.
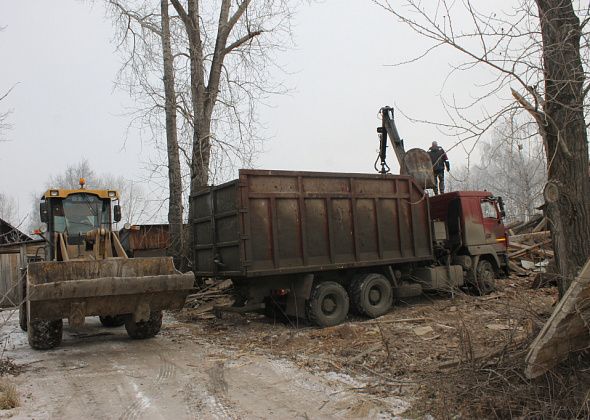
(10, 235)
(16, 251)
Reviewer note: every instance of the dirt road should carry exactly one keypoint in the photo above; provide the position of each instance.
(101, 373)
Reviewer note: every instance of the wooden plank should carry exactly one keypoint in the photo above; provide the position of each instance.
(565, 331)
(530, 236)
(528, 248)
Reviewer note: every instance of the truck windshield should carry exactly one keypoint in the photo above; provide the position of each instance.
(80, 213)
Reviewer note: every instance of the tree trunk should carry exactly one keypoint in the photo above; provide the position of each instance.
(174, 174)
(567, 193)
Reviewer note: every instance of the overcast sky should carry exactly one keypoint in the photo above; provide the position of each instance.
(61, 56)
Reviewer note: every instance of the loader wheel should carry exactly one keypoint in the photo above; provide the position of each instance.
(112, 321)
(44, 335)
(22, 308)
(328, 304)
(485, 283)
(144, 329)
(22, 316)
(371, 294)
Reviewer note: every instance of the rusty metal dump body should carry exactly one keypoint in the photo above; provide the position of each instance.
(62, 289)
(279, 222)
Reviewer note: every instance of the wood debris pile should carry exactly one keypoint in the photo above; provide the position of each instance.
(213, 293)
(529, 248)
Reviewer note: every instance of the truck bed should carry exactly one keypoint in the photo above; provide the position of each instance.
(278, 222)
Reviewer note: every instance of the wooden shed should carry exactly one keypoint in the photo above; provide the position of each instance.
(16, 250)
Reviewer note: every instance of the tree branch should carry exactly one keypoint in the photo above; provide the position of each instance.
(241, 41)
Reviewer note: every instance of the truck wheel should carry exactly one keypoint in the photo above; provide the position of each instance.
(112, 321)
(144, 329)
(44, 335)
(328, 304)
(485, 282)
(371, 294)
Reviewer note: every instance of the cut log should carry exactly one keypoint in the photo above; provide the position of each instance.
(565, 331)
(542, 225)
(528, 248)
(529, 236)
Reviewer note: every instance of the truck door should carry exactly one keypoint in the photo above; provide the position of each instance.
(492, 225)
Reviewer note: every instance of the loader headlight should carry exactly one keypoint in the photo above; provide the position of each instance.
(127, 226)
(112, 194)
(54, 193)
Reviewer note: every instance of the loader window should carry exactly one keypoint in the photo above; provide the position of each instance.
(81, 213)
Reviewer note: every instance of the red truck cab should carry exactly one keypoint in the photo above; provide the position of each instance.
(475, 228)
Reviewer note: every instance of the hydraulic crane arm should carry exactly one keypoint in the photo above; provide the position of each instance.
(388, 128)
(415, 162)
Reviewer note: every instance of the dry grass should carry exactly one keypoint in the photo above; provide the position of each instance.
(8, 395)
(469, 363)
(497, 388)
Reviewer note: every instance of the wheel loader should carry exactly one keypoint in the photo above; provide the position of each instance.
(86, 272)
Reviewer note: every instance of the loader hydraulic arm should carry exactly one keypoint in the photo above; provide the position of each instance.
(415, 162)
(388, 128)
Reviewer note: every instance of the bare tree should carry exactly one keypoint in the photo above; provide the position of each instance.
(136, 206)
(539, 53)
(512, 165)
(215, 61)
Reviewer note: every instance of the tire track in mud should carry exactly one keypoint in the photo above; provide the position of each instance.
(166, 371)
(210, 401)
(217, 388)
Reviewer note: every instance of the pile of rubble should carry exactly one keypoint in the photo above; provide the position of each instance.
(529, 246)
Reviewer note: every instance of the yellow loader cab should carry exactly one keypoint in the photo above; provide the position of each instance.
(79, 222)
(86, 272)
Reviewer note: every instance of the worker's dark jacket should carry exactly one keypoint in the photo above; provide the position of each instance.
(438, 157)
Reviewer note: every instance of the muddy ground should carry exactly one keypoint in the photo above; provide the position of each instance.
(254, 367)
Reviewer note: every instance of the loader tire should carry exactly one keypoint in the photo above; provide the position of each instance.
(22, 316)
(45, 335)
(328, 304)
(371, 295)
(112, 321)
(22, 308)
(144, 329)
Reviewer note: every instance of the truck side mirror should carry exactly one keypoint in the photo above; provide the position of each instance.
(117, 213)
(43, 212)
(501, 204)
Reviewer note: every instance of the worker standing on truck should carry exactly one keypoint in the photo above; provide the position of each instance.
(439, 162)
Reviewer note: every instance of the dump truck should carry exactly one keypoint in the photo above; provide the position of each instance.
(315, 245)
(85, 272)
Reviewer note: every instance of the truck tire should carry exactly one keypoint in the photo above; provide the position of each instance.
(371, 294)
(144, 329)
(112, 321)
(328, 304)
(485, 283)
(44, 335)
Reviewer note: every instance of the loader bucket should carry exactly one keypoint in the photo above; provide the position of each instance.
(115, 286)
